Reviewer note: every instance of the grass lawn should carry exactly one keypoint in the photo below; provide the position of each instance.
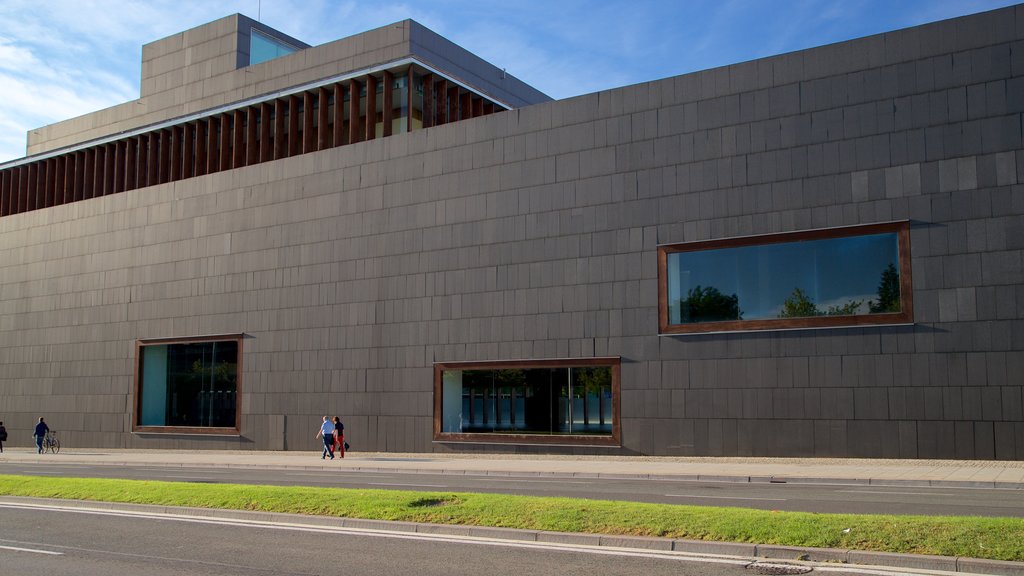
(993, 538)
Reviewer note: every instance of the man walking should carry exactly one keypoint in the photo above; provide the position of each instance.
(326, 430)
(40, 433)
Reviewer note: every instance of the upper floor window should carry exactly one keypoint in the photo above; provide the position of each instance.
(848, 276)
(263, 47)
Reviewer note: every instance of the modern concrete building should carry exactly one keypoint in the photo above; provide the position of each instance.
(818, 253)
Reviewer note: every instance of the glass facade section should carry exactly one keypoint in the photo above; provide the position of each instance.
(193, 385)
(263, 47)
(847, 273)
(542, 401)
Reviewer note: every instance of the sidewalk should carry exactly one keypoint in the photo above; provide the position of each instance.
(976, 474)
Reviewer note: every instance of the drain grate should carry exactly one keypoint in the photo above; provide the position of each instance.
(778, 569)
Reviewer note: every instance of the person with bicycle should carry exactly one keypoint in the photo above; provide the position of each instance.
(40, 434)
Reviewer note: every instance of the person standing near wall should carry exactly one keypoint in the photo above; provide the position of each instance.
(327, 431)
(40, 433)
(3, 436)
(339, 437)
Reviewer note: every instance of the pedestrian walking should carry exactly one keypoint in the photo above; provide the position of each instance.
(326, 430)
(339, 437)
(3, 436)
(40, 434)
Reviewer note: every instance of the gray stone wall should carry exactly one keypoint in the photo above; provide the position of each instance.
(532, 234)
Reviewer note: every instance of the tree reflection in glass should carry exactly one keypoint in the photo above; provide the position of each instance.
(843, 276)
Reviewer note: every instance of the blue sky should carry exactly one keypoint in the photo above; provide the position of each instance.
(61, 58)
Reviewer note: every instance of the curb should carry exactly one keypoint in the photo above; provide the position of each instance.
(735, 550)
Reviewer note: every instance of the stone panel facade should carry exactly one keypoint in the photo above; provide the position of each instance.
(532, 233)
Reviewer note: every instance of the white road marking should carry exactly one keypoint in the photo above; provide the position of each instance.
(900, 493)
(16, 549)
(725, 497)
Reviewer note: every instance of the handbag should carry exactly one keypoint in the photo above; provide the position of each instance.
(346, 446)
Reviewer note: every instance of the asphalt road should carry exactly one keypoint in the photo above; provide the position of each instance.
(765, 496)
(45, 542)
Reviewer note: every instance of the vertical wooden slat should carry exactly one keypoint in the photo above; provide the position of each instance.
(131, 165)
(11, 191)
(354, 89)
(478, 107)
(152, 159)
(25, 194)
(5, 192)
(465, 106)
(119, 153)
(266, 152)
(441, 107)
(409, 91)
(55, 192)
(40, 190)
(294, 121)
(238, 130)
(21, 190)
(17, 187)
(58, 181)
(371, 106)
(428, 100)
(48, 183)
(252, 145)
(53, 172)
(225, 141)
(388, 103)
(164, 155)
(176, 134)
(32, 176)
(323, 134)
(142, 162)
(99, 154)
(81, 158)
(339, 114)
(308, 131)
(69, 178)
(213, 128)
(488, 108)
(108, 169)
(188, 151)
(453, 104)
(201, 141)
(280, 139)
(88, 173)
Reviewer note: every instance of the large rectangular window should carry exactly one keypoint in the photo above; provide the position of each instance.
(572, 401)
(851, 276)
(188, 385)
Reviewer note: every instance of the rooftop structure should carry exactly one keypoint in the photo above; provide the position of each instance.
(235, 93)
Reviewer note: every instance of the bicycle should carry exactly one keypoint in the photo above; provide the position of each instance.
(51, 443)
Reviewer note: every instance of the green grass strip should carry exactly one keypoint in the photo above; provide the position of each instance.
(992, 538)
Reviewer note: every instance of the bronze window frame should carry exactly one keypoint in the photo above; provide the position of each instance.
(614, 440)
(904, 316)
(141, 343)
